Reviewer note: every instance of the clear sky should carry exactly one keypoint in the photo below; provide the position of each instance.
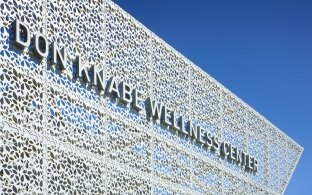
(260, 50)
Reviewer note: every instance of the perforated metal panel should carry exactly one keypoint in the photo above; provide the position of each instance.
(59, 136)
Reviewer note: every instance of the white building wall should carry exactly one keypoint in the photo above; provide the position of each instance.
(58, 136)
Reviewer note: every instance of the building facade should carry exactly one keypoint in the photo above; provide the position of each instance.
(92, 102)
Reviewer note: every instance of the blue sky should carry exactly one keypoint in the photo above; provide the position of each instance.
(260, 50)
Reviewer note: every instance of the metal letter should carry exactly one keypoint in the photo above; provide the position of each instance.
(232, 152)
(192, 128)
(255, 168)
(22, 34)
(241, 158)
(40, 43)
(216, 143)
(175, 126)
(166, 116)
(200, 135)
(224, 149)
(154, 109)
(113, 87)
(182, 126)
(249, 162)
(82, 72)
(209, 141)
(59, 57)
(125, 90)
(237, 155)
(137, 98)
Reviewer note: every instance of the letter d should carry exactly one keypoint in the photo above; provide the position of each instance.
(22, 34)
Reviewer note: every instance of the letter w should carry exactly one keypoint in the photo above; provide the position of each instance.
(154, 109)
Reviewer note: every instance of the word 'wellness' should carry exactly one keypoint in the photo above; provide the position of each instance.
(155, 111)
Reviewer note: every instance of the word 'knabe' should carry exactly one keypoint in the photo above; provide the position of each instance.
(130, 96)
